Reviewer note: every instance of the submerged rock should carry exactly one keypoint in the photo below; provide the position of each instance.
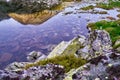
(35, 56)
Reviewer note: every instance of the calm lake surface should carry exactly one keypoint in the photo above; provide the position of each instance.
(17, 40)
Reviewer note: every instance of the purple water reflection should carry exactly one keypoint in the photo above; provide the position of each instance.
(17, 40)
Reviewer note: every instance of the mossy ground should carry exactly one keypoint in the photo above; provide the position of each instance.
(69, 62)
(88, 7)
(113, 27)
(110, 5)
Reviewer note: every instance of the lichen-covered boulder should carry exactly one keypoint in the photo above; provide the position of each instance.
(98, 43)
(64, 47)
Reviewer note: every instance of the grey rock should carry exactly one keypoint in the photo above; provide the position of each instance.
(98, 43)
(35, 56)
(101, 70)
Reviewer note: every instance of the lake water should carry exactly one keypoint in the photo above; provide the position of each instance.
(17, 40)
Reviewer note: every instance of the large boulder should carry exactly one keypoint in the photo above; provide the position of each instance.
(98, 43)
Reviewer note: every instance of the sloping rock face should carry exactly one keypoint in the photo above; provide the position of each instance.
(49, 71)
(69, 47)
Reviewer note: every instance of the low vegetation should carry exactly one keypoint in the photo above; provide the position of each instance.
(88, 7)
(69, 61)
(110, 5)
(113, 27)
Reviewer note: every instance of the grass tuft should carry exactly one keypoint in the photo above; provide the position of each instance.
(69, 61)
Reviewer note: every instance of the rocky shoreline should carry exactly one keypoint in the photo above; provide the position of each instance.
(102, 58)
(102, 62)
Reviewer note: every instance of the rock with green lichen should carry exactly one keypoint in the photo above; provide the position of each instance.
(97, 43)
(69, 47)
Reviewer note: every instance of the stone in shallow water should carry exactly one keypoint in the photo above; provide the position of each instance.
(35, 56)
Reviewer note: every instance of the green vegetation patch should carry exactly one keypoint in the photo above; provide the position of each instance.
(69, 61)
(88, 7)
(110, 5)
(113, 27)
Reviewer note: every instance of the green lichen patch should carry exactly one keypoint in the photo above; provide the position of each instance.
(113, 27)
(110, 5)
(88, 7)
